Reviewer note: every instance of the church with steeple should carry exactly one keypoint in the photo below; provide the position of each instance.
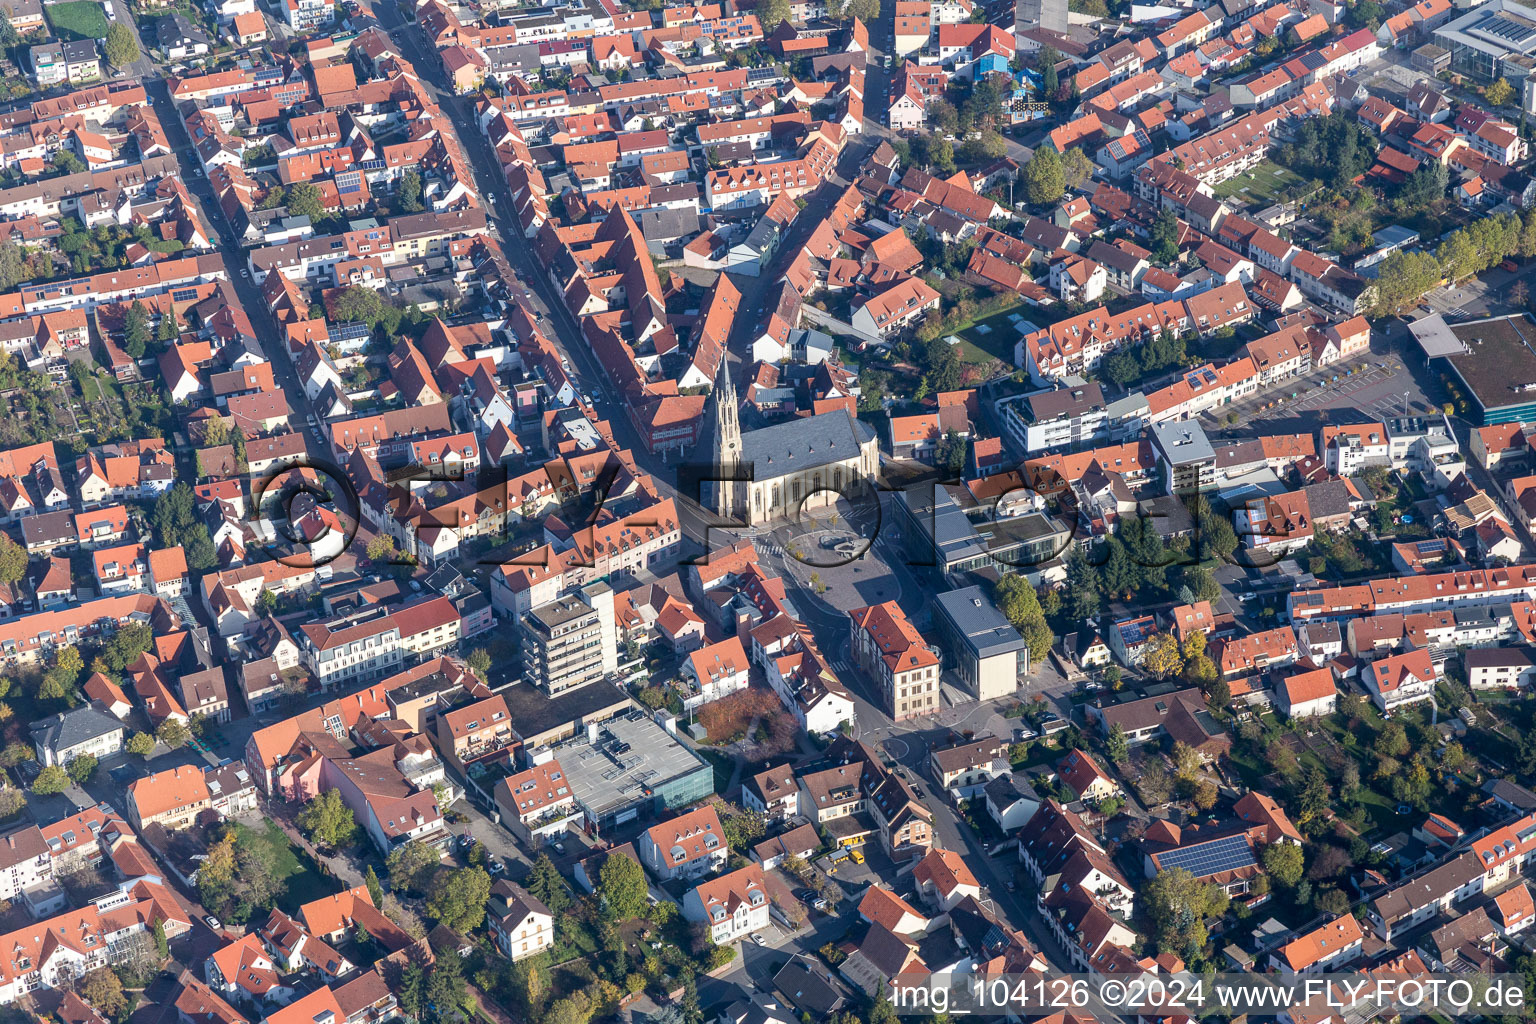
(802, 463)
(726, 451)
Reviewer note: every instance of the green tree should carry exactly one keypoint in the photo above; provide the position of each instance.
(1044, 179)
(408, 195)
(771, 14)
(1076, 168)
(412, 866)
(941, 156)
(692, 1014)
(1458, 256)
(1500, 93)
(621, 886)
(545, 885)
(1405, 277)
(375, 890)
(136, 333)
(479, 661)
(167, 329)
(1283, 863)
(413, 990)
(458, 898)
(125, 646)
(1116, 746)
(173, 732)
(104, 990)
(447, 996)
(13, 266)
(867, 11)
(1165, 237)
(1178, 904)
(162, 943)
(122, 48)
(1082, 585)
(50, 781)
(989, 145)
(81, 768)
(13, 560)
(1045, 62)
(304, 199)
(327, 821)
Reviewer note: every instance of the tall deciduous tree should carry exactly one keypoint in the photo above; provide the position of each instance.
(621, 885)
(771, 14)
(1044, 180)
(122, 48)
(328, 821)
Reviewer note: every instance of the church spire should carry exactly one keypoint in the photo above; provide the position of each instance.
(727, 444)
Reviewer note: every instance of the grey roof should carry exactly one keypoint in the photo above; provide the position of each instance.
(71, 728)
(1006, 790)
(801, 444)
(48, 528)
(1051, 405)
(1182, 442)
(1498, 657)
(1511, 793)
(1329, 498)
(985, 630)
(809, 987)
(661, 224)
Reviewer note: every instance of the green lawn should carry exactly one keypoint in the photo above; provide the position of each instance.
(77, 19)
(1259, 185)
(305, 882)
(996, 342)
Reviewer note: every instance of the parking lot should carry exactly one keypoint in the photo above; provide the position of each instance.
(1383, 389)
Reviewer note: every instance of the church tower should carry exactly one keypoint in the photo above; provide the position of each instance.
(728, 503)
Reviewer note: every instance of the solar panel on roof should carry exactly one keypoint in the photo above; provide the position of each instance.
(1226, 854)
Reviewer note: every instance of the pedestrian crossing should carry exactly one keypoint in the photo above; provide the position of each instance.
(767, 546)
(1457, 311)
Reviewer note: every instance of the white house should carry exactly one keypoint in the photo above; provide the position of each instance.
(734, 905)
(1307, 694)
(1401, 679)
(521, 925)
(714, 672)
(689, 846)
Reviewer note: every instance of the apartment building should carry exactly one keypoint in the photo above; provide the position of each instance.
(887, 647)
(352, 649)
(689, 846)
(571, 641)
(475, 731)
(537, 803)
(1064, 416)
(1499, 668)
(734, 905)
(66, 735)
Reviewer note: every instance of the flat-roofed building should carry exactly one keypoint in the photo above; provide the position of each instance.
(979, 643)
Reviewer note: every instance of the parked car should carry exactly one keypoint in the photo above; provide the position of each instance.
(212, 922)
(820, 903)
(757, 937)
(559, 847)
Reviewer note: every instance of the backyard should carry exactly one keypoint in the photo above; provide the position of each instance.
(303, 878)
(1260, 185)
(77, 19)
